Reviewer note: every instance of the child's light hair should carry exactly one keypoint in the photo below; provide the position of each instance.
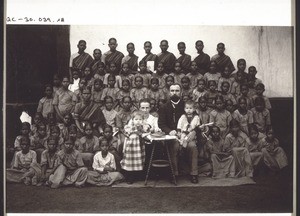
(189, 103)
(137, 113)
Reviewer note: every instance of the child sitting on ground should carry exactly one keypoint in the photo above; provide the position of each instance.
(274, 156)
(68, 168)
(254, 145)
(223, 164)
(235, 143)
(25, 167)
(104, 167)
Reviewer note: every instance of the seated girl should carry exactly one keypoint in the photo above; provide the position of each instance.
(274, 156)
(104, 167)
(223, 164)
(25, 167)
(235, 143)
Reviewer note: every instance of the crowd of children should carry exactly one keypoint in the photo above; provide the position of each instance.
(87, 128)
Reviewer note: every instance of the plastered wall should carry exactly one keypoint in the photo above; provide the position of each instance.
(270, 49)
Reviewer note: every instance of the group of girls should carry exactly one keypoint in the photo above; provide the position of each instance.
(54, 150)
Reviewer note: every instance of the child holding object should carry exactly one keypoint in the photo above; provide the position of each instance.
(134, 149)
(104, 167)
(187, 124)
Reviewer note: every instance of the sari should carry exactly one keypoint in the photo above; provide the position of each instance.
(149, 57)
(203, 62)
(222, 62)
(115, 57)
(80, 61)
(132, 62)
(94, 66)
(168, 59)
(185, 61)
(89, 112)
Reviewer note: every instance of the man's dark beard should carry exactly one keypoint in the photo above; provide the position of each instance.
(175, 98)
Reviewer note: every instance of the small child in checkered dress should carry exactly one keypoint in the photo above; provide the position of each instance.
(134, 150)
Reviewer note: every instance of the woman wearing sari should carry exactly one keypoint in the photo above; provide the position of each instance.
(80, 60)
(97, 59)
(149, 55)
(112, 55)
(88, 111)
(131, 59)
(166, 57)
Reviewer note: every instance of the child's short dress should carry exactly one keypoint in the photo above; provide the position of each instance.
(133, 150)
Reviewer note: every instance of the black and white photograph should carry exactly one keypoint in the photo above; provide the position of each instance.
(149, 118)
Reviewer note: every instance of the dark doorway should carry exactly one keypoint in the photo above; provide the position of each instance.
(34, 53)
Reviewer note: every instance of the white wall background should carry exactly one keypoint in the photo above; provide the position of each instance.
(270, 49)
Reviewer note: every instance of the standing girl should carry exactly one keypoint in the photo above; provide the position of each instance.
(134, 149)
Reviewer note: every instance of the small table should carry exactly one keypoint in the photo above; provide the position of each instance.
(160, 163)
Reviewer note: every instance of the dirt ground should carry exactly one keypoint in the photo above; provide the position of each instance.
(272, 193)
